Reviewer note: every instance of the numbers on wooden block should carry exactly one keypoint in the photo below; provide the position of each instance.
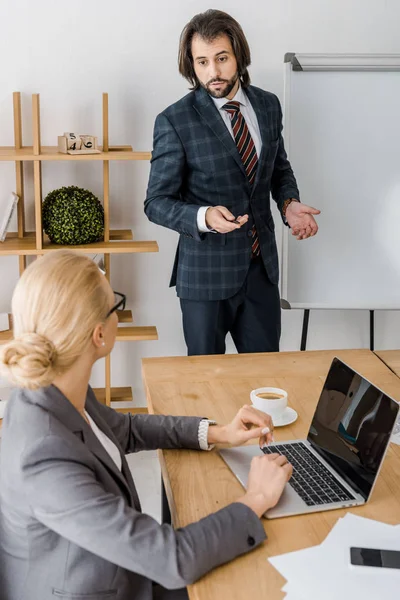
(88, 141)
(74, 141)
(71, 143)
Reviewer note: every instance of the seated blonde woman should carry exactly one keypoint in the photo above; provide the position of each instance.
(71, 522)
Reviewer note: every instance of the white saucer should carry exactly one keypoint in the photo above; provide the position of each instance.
(288, 416)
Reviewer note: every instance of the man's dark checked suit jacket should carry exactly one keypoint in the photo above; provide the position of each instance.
(195, 162)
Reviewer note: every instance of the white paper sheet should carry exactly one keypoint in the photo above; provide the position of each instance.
(325, 572)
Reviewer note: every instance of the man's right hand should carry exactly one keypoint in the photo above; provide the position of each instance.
(268, 476)
(220, 219)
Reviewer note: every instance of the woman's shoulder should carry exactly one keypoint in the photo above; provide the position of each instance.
(24, 415)
(39, 420)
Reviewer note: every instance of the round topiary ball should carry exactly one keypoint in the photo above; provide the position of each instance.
(73, 216)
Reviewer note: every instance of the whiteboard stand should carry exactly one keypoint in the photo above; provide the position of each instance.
(341, 131)
(371, 330)
(304, 331)
(306, 320)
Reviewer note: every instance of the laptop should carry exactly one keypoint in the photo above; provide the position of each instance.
(339, 462)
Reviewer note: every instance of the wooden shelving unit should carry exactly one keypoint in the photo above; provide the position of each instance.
(34, 243)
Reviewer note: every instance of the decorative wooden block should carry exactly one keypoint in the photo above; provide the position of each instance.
(74, 141)
(88, 141)
(62, 144)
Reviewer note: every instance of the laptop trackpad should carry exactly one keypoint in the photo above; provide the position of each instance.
(239, 459)
(290, 502)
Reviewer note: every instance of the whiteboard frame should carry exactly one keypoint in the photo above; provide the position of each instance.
(323, 62)
(343, 62)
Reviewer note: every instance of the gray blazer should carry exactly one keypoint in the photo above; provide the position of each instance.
(71, 526)
(195, 162)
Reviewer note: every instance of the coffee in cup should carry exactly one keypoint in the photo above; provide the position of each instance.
(272, 401)
(269, 396)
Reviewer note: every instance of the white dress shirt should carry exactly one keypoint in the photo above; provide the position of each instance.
(105, 441)
(251, 120)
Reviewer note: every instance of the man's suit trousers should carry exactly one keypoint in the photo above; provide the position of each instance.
(252, 316)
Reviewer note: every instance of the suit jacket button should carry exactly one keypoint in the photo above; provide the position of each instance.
(249, 233)
(251, 541)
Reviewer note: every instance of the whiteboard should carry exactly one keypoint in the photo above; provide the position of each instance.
(342, 135)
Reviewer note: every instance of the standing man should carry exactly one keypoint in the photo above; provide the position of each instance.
(218, 155)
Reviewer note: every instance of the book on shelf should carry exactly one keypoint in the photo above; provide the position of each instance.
(7, 215)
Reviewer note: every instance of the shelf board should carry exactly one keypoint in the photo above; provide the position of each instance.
(115, 235)
(136, 334)
(27, 247)
(124, 316)
(118, 394)
(122, 247)
(124, 334)
(134, 410)
(25, 153)
(6, 336)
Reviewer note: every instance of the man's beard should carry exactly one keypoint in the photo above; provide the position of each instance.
(225, 90)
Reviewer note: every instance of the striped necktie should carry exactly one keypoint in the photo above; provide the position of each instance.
(248, 154)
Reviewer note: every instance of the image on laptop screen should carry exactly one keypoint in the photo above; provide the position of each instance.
(352, 425)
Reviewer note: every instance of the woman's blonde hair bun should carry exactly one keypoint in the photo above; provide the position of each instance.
(57, 303)
(29, 361)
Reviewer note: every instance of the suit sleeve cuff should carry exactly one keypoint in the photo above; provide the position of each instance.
(280, 204)
(201, 220)
(253, 528)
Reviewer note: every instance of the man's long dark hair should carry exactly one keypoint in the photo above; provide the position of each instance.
(210, 25)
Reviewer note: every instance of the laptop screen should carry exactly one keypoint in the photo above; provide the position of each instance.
(352, 425)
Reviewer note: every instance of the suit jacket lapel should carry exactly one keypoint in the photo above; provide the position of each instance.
(97, 448)
(209, 113)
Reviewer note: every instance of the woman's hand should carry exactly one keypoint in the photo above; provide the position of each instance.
(249, 423)
(268, 476)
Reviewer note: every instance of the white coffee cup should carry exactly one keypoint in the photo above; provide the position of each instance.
(270, 400)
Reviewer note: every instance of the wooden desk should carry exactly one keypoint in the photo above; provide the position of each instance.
(199, 483)
(391, 358)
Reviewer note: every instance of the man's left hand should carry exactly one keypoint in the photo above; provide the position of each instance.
(301, 220)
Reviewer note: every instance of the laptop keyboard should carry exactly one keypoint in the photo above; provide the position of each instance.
(311, 479)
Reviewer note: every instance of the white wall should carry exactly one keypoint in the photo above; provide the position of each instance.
(70, 52)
